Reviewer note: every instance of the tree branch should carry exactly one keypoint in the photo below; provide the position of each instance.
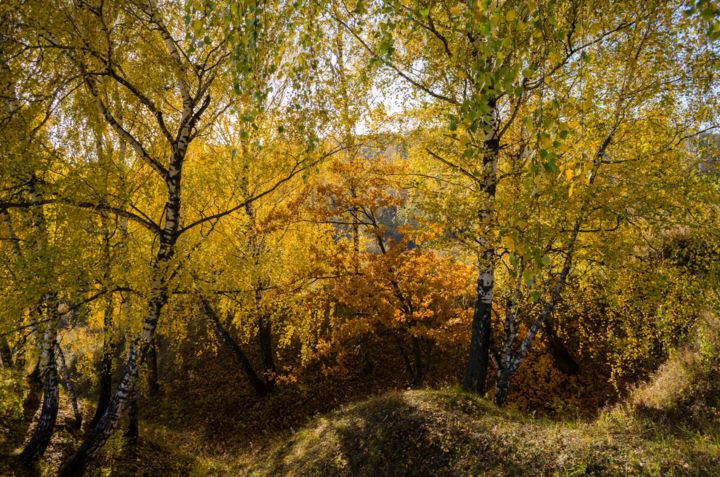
(464, 171)
(123, 133)
(151, 226)
(297, 168)
(391, 65)
(149, 103)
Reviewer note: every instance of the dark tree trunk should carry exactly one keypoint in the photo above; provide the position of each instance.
(40, 438)
(413, 367)
(69, 387)
(108, 349)
(132, 432)
(563, 359)
(104, 388)
(34, 395)
(266, 350)
(409, 368)
(153, 382)
(5, 353)
(106, 365)
(258, 385)
(419, 373)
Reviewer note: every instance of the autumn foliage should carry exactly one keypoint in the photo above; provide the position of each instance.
(242, 214)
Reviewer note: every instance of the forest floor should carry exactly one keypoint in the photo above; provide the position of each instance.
(666, 427)
(422, 433)
(418, 433)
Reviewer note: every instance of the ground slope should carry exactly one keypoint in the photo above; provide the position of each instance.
(418, 433)
(669, 426)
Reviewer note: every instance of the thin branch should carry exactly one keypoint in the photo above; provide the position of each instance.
(149, 103)
(151, 226)
(297, 168)
(572, 51)
(174, 52)
(455, 166)
(71, 308)
(391, 65)
(123, 133)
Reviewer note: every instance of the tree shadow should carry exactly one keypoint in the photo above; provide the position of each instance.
(395, 436)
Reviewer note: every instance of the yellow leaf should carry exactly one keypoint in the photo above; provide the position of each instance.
(508, 242)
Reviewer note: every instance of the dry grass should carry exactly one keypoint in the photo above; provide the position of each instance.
(686, 389)
(669, 426)
(448, 432)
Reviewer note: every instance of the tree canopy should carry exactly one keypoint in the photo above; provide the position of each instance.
(481, 192)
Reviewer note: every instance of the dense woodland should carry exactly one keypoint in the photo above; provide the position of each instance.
(219, 219)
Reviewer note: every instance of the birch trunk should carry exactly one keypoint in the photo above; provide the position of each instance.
(481, 332)
(43, 430)
(511, 362)
(47, 366)
(106, 425)
(159, 295)
(109, 421)
(193, 106)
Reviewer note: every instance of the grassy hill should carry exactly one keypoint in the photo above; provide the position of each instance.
(670, 426)
(452, 433)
